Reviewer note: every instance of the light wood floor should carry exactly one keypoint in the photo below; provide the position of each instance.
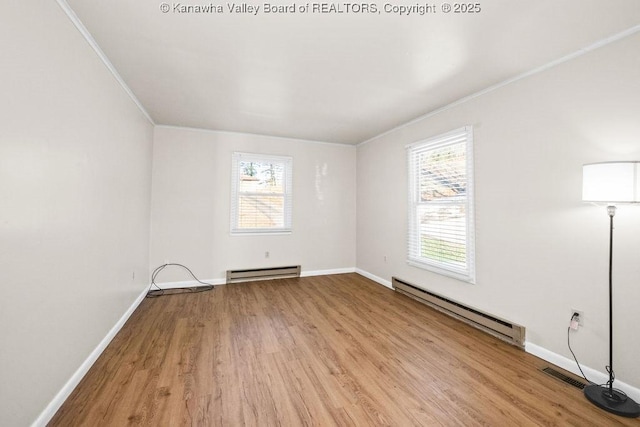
(327, 350)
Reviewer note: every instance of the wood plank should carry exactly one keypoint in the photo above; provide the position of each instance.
(328, 351)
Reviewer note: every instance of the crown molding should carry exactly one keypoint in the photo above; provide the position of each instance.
(94, 45)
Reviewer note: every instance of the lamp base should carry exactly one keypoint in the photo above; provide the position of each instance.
(618, 404)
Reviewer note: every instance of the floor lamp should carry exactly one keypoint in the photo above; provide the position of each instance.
(611, 183)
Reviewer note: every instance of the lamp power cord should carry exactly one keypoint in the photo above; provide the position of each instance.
(574, 318)
(617, 395)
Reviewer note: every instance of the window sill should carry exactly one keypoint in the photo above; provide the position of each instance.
(261, 233)
(443, 272)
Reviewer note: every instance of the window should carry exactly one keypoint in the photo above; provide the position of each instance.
(441, 222)
(260, 194)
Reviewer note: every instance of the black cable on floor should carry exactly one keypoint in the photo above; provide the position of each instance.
(154, 293)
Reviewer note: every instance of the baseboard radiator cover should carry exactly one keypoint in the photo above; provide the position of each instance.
(505, 330)
(248, 274)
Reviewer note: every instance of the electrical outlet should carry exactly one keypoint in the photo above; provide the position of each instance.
(266, 254)
(580, 316)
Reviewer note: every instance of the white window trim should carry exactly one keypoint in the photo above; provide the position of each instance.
(288, 194)
(412, 259)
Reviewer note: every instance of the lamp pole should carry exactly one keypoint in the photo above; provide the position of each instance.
(611, 210)
(606, 397)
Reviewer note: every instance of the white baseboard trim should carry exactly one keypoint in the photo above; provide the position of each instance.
(570, 365)
(77, 376)
(375, 278)
(222, 281)
(188, 284)
(327, 272)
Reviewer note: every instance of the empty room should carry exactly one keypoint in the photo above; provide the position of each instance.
(320, 213)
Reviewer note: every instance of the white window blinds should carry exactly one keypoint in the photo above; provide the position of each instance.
(441, 221)
(261, 194)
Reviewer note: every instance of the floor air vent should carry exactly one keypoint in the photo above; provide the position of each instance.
(562, 377)
(245, 275)
(503, 329)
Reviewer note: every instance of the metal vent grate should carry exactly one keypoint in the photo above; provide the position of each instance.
(562, 377)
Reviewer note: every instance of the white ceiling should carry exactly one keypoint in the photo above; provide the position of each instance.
(341, 78)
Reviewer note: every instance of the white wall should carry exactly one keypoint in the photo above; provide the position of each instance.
(191, 196)
(75, 169)
(540, 250)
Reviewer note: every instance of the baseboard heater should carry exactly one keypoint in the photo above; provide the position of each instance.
(234, 276)
(510, 332)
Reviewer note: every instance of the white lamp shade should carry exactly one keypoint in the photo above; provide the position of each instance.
(611, 182)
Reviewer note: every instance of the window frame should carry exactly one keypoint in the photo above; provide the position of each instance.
(287, 194)
(464, 136)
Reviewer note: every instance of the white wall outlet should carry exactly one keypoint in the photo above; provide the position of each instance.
(266, 254)
(580, 315)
